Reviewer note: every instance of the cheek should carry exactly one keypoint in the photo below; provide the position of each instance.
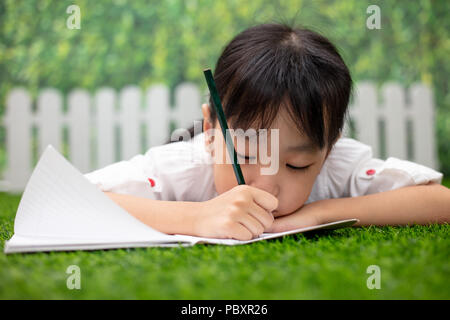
(224, 178)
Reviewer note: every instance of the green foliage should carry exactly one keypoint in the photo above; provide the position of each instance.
(143, 42)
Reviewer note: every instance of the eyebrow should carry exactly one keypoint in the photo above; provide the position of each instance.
(305, 148)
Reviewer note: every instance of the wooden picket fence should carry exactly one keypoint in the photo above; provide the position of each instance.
(108, 126)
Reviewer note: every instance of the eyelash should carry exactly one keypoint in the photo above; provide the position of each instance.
(288, 165)
(298, 168)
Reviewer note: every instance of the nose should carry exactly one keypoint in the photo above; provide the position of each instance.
(267, 183)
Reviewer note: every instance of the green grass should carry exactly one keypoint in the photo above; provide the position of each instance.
(325, 265)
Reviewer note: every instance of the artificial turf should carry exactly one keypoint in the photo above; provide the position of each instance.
(413, 261)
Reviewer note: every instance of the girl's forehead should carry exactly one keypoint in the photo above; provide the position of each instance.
(283, 123)
(286, 137)
(287, 128)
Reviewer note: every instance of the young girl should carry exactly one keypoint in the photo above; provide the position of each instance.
(273, 76)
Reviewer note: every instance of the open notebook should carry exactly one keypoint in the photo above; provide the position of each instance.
(61, 210)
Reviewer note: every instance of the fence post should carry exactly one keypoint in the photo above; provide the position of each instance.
(130, 107)
(17, 122)
(104, 111)
(157, 115)
(49, 119)
(187, 105)
(364, 112)
(423, 117)
(394, 114)
(78, 121)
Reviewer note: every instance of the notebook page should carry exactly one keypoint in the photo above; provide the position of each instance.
(59, 202)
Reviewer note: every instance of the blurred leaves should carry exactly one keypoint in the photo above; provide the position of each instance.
(143, 42)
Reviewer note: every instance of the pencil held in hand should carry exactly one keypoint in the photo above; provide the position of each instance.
(223, 124)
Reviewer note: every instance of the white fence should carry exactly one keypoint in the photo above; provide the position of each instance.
(92, 123)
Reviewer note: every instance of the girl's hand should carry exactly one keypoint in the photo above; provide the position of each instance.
(242, 213)
(308, 215)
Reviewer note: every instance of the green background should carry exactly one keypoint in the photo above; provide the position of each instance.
(145, 42)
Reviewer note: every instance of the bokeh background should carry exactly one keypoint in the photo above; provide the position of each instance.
(144, 42)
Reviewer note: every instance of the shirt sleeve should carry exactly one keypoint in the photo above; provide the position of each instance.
(352, 171)
(136, 176)
(178, 171)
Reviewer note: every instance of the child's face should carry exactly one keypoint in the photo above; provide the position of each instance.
(291, 186)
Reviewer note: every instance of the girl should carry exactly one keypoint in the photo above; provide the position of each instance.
(273, 76)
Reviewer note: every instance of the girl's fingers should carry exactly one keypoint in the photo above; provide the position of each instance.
(265, 199)
(252, 224)
(264, 217)
(240, 232)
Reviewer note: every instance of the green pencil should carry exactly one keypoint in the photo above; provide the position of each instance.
(223, 124)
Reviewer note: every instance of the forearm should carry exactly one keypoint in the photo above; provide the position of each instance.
(421, 204)
(171, 217)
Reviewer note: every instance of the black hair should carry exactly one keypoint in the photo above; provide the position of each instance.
(270, 66)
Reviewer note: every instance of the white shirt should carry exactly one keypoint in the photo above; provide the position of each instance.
(183, 171)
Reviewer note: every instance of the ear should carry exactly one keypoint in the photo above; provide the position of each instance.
(207, 125)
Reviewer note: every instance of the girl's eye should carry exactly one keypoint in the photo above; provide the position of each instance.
(298, 168)
(245, 157)
(288, 165)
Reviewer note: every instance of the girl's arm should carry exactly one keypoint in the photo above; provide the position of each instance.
(420, 204)
(242, 213)
(171, 217)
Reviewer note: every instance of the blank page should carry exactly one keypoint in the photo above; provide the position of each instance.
(59, 202)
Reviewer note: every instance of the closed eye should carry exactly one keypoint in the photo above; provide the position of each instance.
(288, 165)
(297, 168)
(245, 157)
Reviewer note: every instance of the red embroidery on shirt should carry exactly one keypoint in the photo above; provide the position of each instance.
(152, 182)
(370, 172)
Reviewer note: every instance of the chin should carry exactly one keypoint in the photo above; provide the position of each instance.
(277, 213)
